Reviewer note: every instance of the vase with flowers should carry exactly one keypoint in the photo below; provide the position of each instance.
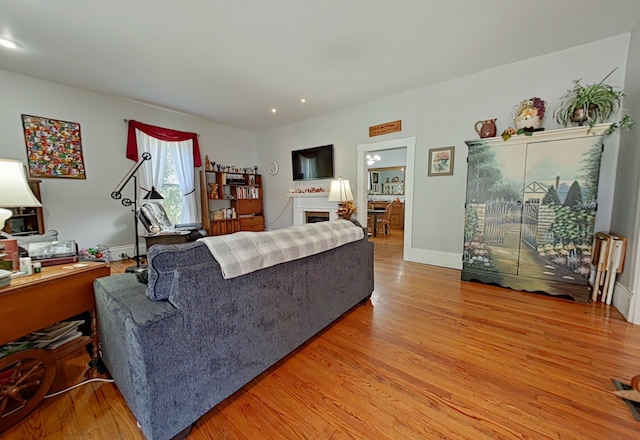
(529, 114)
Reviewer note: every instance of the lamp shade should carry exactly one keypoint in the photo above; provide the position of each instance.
(153, 195)
(14, 189)
(340, 191)
(4, 215)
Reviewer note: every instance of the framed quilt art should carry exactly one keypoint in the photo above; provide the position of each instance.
(54, 148)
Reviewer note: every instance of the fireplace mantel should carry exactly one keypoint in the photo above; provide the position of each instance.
(316, 202)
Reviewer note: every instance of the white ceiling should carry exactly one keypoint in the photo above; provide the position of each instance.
(232, 61)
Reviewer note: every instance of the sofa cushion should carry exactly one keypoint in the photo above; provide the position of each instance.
(165, 258)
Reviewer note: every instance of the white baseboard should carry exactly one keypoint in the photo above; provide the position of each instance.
(451, 260)
(622, 300)
(128, 249)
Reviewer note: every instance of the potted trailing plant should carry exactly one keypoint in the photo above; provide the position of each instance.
(591, 103)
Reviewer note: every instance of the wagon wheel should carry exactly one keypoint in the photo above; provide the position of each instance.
(25, 378)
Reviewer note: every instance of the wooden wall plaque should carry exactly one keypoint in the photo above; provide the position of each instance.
(386, 128)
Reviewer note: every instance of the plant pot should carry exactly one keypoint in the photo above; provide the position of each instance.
(579, 115)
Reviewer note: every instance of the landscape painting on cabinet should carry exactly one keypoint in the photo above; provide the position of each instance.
(530, 212)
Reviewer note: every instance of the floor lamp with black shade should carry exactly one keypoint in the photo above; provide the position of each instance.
(117, 194)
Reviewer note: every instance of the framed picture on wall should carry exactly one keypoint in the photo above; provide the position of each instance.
(374, 177)
(441, 161)
(54, 147)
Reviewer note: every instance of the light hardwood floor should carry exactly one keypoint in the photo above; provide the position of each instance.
(430, 357)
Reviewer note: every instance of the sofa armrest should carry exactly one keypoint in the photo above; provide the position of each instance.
(145, 348)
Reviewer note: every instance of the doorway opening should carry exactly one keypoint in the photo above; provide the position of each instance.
(363, 177)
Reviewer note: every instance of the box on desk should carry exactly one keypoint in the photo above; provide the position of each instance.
(50, 253)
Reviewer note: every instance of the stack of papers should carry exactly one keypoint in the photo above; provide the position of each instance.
(51, 337)
(56, 335)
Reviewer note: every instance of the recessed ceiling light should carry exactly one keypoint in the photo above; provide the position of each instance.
(273, 110)
(303, 100)
(8, 43)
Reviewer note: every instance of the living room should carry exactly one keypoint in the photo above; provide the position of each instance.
(104, 139)
(438, 115)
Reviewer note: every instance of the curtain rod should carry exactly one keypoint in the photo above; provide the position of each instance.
(126, 120)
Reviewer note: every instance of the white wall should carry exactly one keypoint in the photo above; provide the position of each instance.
(441, 115)
(390, 158)
(83, 210)
(626, 213)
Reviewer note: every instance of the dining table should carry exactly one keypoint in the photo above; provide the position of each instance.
(375, 213)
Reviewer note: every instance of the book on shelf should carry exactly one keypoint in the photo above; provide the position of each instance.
(248, 193)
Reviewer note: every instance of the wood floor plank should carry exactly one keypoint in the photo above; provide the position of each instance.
(429, 357)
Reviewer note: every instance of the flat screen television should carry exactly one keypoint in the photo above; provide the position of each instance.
(312, 163)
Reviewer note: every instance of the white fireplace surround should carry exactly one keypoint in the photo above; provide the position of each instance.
(312, 202)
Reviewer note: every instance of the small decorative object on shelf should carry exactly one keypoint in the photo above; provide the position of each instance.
(312, 189)
(208, 165)
(488, 128)
(213, 191)
(529, 114)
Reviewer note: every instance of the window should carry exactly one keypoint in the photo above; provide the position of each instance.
(171, 191)
(174, 155)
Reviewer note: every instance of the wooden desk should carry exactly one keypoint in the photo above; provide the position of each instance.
(37, 301)
(32, 303)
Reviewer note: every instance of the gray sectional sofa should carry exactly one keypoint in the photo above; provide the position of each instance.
(190, 338)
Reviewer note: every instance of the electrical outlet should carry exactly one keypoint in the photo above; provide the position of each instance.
(124, 256)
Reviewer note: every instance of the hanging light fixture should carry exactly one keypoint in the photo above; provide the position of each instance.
(373, 159)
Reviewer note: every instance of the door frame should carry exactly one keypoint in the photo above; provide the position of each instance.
(410, 144)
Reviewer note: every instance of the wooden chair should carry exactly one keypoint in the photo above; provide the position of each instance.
(369, 219)
(385, 221)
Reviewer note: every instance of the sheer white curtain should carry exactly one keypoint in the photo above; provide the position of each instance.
(152, 172)
(182, 155)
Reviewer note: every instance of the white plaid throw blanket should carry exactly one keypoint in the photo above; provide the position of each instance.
(245, 252)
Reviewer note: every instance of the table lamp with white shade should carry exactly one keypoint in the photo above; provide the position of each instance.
(340, 191)
(14, 189)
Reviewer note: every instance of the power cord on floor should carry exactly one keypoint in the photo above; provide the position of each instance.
(97, 379)
(280, 215)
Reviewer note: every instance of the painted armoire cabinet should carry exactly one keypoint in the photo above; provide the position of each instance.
(530, 210)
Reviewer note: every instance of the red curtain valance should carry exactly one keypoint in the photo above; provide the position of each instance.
(164, 134)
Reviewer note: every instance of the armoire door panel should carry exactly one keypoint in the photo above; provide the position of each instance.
(493, 215)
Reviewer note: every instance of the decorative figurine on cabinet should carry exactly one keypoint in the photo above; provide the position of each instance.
(213, 193)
